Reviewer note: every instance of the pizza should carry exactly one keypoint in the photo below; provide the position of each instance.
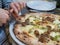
(38, 29)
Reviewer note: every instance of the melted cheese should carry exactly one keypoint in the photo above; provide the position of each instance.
(56, 22)
(54, 34)
(40, 19)
(34, 20)
(42, 31)
(28, 27)
(31, 19)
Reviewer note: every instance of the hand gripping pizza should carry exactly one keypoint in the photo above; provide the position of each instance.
(38, 29)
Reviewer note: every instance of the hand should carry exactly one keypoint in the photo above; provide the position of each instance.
(16, 7)
(3, 16)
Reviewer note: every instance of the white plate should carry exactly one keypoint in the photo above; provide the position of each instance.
(13, 35)
(42, 5)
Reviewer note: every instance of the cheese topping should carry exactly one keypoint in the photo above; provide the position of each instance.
(55, 35)
(56, 22)
(31, 19)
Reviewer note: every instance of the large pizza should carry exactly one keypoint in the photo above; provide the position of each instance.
(38, 29)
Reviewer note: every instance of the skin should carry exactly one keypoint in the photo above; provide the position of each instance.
(3, 16)
(15, 7)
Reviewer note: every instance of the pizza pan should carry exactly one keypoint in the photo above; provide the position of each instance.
(11, 26)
